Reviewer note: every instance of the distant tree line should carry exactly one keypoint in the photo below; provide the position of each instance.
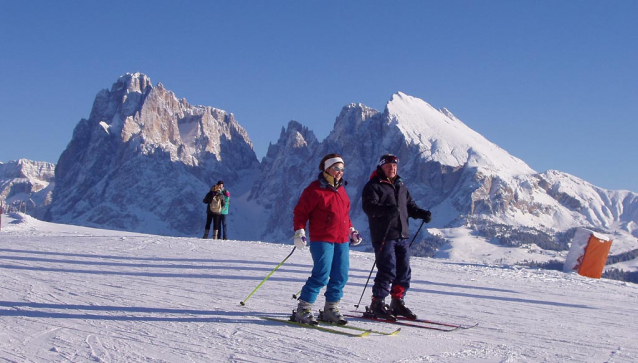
(621, 275)
(428, 246)
(515, 237)
(549, 265)
(622, 257)
(565, 237)
(612, 274)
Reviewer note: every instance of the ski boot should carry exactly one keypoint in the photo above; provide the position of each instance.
(331, 314)
(398, 308)
(380, 310)
(303, 314)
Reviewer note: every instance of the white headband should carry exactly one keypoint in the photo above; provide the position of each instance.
(330, 162)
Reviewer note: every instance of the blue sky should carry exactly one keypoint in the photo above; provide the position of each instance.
(554, 83)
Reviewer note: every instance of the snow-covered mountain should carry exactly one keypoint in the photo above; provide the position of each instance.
(28, 185)
(144, 160)
(463, 178)
(277, 189)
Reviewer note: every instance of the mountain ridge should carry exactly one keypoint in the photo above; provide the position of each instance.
(27, 184)
(141, 142)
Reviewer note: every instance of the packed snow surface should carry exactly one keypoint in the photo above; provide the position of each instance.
(75, 294)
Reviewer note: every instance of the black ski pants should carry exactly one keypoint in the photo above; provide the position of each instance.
(393, 269)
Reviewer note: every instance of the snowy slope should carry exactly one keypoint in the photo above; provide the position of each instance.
(75, 294)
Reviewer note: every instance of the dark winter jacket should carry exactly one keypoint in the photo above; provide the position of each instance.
(327, 209)
(388, 206)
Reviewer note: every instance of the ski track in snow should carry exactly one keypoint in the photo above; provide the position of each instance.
(74, 294)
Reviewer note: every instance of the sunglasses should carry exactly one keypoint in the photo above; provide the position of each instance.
(338, 168)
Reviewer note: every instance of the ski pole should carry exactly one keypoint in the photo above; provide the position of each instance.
(366, 286)
(242, 303)
(374, 264)
(296, 296)
(416, 234)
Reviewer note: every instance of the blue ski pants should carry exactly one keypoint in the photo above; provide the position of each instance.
(331, 265)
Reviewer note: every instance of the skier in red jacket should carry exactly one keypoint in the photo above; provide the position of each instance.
(325, 206)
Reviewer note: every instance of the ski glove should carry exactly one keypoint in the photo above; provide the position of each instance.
(424, 214)
(355, 237)
(300, 239)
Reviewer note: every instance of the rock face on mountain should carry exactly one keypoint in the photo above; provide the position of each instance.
(144, 160)
(27, 184)
(283, 170)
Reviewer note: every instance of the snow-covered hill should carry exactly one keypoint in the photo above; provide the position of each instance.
(77, 294)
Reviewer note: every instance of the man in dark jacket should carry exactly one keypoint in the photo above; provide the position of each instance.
(388, 204)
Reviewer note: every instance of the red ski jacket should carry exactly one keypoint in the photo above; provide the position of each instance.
(327, 209)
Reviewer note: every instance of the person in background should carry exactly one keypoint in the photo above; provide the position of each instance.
(387, 203)
(325, 206)
(215, 203)
(222, 218)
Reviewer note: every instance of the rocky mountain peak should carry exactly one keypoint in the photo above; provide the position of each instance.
(446, 139)
(27, 169)
(297, 136)
(144, 158)
(352, 117)
(133, 83)
(140, 142)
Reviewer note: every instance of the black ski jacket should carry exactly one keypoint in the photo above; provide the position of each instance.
(388, 207)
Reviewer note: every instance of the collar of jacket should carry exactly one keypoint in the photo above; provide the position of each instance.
(326, 180)
(380, 176)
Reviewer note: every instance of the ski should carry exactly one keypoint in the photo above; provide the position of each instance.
(451, 325)
(424, 321)
(405, 323)
(363, 333)
(320, 320)
(395, 332)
